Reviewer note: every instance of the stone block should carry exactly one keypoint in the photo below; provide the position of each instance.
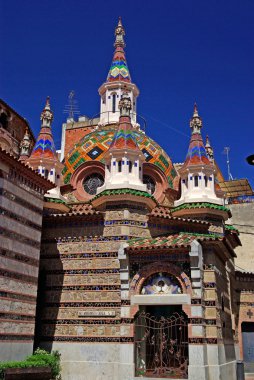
(196, 311)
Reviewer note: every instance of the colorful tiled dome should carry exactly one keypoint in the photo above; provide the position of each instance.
(94, 146)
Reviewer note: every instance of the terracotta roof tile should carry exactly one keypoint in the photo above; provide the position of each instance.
(176, 240)
(81, 209)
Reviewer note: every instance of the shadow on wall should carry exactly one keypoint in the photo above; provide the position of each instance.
(50, 285)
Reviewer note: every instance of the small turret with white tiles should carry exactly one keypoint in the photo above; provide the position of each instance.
(124, 159)
(198, 172)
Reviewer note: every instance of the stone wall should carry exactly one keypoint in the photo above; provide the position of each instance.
(21, 219)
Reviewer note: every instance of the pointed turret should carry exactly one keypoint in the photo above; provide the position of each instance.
(44, 147)
(124, 159)
(25, 146)
(124, 137)
(118, 81)
(196, 153)
(44, 158)
(197, 173)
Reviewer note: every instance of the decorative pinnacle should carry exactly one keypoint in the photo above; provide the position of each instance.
(209, 149)
(195, 112)
(25, 144)
(119, 33)
(208, 145)
(125, 105)
(47, 114)
(196, 121)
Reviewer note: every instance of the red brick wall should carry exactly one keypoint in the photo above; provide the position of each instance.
(72, 137)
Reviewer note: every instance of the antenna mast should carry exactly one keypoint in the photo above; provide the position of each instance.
(72, 107)
(226, 151)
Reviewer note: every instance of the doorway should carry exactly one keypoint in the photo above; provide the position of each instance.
(161, 342)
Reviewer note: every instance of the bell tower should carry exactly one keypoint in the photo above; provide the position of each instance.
(118, 82)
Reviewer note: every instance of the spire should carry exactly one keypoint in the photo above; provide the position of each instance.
(209, 149)
(25, 146)
(124, 137)
(44, 146)
(119, 70)
(196, 153)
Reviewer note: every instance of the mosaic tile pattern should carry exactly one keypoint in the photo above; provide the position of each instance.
(125, 138)
(119, 70)
(196, 153)
(44, 146)
(101, 141)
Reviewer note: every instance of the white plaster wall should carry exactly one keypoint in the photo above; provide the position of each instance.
(15, 351)
(95, 361)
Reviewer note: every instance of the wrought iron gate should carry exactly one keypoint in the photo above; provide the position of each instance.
(161, 346)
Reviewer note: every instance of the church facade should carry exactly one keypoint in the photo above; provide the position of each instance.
(137, 259)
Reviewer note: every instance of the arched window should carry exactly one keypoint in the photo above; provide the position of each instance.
(206, 180)
(114, 103)
(119, 166)
(149, 182)
(3, 120)
(130, 166)
(46, 173)
(196, 181)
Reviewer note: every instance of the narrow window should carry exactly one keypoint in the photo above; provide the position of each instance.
(130, 166)
(119, 166)
(196, 181)
(114, 103)
(46, 173)
(206, 181)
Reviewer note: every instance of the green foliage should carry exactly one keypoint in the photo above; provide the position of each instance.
(40, 358)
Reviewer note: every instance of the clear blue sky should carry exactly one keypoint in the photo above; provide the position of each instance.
(178, 52)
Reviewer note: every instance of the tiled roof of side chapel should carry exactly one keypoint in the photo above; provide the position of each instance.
(44, 146)
(196, 153)
(119, 70)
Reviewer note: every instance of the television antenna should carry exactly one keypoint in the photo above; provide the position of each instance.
(226, 152)
(72, 107)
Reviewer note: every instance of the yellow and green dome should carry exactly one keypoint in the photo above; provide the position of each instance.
(93, 146)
